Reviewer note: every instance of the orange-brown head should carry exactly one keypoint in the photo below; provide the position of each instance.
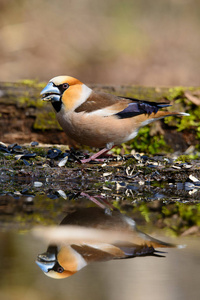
(60, 262)
(65, 91)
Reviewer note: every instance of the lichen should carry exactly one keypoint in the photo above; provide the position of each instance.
(46, 121)
(32, 83)
(175, 93)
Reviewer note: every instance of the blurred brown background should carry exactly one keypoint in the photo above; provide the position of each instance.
(115, 42)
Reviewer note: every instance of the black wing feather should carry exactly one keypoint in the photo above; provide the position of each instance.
(138, 107)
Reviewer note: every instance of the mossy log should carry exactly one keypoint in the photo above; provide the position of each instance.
(25, 118)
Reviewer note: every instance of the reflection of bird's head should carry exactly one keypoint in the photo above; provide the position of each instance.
(65, 92)
(60, 263)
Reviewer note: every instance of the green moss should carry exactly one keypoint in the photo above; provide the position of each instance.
(19, 162)
(8, 157)
(186, 216)
(145, 143)
(184, 158)
(149, 93)
(29, 94)
(187, 122)
(38, 150)
(32, 83)
(130, 162)
(46, 120)
(169, 210)
(29, 101)
(175, 93)
(2, 155)
(144, 210)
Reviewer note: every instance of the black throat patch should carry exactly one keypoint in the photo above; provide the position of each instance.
(57, 105)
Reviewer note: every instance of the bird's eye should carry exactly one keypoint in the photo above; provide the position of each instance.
(60, 269)
(65, 86)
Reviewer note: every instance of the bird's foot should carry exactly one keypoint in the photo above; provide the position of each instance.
(87, 160)
(94, 156)
(100, 201)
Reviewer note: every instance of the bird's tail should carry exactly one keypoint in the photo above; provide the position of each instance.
(163, 114)
(143, 245)
(160, 115)
(152, 242)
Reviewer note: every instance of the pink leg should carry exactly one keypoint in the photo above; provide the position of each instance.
(106, 204)
(91, 198)
(105, 201)
(94, 156)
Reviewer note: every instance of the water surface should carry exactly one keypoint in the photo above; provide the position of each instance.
(175, 276)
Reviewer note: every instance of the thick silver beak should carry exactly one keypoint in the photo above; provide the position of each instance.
(50, 93)
(46, 261)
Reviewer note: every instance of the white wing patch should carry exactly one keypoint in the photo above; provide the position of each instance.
(85, 94)
(81, 263)
(104, 112)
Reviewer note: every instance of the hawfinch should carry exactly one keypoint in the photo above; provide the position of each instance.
(99, 119)
(124, 241)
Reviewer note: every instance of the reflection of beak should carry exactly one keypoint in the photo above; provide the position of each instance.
(50, 93)
(46, 261)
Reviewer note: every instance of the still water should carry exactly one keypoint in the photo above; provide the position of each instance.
(26, 232)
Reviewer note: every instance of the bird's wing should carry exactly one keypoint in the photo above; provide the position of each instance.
(122, 107)
(98, 251)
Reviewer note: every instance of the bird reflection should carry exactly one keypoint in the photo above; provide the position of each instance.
(106, 235)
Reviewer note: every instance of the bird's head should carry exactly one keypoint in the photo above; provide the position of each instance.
(57, 263)
(65, 91)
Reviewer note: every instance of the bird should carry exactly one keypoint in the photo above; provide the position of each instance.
(99, 119)
(118, 238)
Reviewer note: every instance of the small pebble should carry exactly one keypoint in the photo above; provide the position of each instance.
(37, 184)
